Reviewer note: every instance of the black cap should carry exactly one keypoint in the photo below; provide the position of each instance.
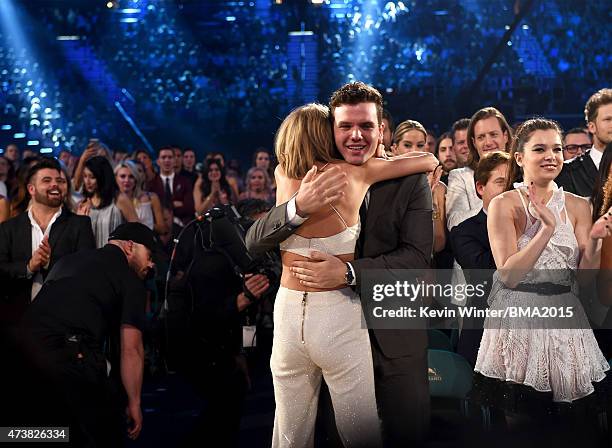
(134, 231)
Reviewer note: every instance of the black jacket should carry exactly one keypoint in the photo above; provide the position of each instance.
(578, 175)
(470, 241)
(70, 233)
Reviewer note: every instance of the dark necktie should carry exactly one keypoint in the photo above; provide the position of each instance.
(168, 194)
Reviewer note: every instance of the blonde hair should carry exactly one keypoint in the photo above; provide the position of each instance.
(139, 179)
(265, 175)
(303, 138)
(406, 126)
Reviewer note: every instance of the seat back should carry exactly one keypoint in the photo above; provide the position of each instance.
(450, 375)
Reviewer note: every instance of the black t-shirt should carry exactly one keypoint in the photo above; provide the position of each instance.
(90, 293)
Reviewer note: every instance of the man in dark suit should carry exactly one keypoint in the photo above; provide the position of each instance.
(471, 247)
(397, 233)
(174, 190)
(579, 174)
(32, 242)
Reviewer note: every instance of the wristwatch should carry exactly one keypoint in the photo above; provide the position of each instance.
(348, 277)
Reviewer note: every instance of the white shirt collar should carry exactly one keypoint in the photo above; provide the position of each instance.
(171, 177)
(596, 156)
(37, 227)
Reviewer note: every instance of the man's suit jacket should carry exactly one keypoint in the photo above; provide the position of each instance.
(398, 234)
(70, 233)
(578, 175)
(470, 241)
(182, 191)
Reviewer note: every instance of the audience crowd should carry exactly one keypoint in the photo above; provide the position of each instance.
(229, 81)
(174, 72)
(165, 191)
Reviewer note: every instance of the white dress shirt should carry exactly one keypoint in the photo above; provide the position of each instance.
(462, 202)
(171, 180)
(37, 237)
(596, 156)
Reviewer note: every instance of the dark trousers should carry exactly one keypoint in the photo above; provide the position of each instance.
(402, 394)
(222, 384)
(73, 390)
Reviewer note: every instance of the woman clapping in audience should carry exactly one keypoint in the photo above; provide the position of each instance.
(540, 236)
(130, 177)
(212, 188)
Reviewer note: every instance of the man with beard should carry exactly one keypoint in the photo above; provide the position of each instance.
(33, 241)
(579, 174)
(83, 331)
(460, 146)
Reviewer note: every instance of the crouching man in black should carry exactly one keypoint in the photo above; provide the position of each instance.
(204, 316)
(88, 298)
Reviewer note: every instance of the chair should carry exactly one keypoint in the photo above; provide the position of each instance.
(450, 376)
(439, 341)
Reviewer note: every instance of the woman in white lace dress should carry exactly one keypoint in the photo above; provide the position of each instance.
(540, 235)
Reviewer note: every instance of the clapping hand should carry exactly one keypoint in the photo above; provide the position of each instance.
(603, 226)
(84, 207)
(41, 256)
(543, 213)
(434, 177)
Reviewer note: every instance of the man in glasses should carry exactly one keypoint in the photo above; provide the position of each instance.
(576, 142)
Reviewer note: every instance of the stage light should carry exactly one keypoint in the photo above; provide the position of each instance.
(33, 143)
(6, 127)
(45, 150)
(19, 135)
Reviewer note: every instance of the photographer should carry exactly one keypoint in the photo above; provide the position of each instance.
(207, 301)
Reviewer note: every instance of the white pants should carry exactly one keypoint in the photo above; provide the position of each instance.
(320, 333)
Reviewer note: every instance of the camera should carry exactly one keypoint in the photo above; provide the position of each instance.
(226, 230)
